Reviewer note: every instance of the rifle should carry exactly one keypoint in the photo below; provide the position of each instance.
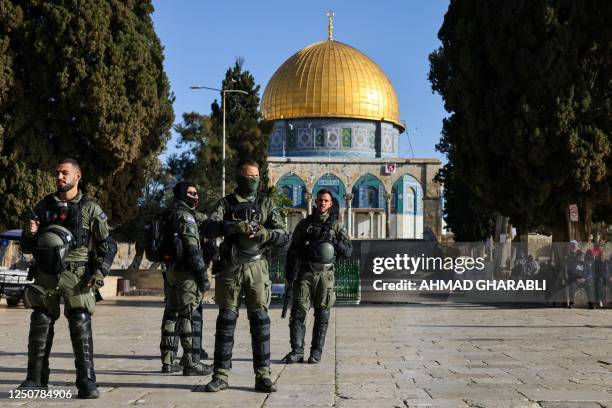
(289, 292)
(287, 298)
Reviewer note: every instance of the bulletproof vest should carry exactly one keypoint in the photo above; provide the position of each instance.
(54, 242)
(68, 215)
(316, 240)
(243, 249)
(249, 211)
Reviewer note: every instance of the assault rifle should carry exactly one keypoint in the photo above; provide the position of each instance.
(289, 292)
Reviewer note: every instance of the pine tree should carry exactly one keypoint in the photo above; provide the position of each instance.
(247, 136)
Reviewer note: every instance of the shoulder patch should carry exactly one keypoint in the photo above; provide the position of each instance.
(103, 217)
(189, 218)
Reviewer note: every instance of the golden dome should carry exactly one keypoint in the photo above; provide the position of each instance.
(330, 79)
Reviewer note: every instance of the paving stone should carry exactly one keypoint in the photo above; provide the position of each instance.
(435, 355)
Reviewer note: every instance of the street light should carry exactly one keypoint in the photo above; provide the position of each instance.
(224, 91)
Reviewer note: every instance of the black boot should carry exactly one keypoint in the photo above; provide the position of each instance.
(40, 341)
(79, 323)
(297, 330)
(319, 330)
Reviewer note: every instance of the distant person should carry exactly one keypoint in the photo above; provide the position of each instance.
(601, 274)
(186, 280)
(253, 225)
(532, 267)
(316, 243)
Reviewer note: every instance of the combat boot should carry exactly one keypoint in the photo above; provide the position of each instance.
(198, 369)
(297, 331)
(216, 385)
(265, 385)
(319, 331)
(171, 368)
(79, 322)
(40, 341)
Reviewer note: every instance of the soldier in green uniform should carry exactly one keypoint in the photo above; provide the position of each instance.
(253, 224)
(69, 237)
(186, 281)
(316, 242)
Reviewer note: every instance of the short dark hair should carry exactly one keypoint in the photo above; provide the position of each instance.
(246, 162)
(325, 191)
(72, 161)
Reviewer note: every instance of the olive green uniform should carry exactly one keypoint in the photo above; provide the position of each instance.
(91, 255)
(243, 269)
(184, 280)
(312, 273)
(48, 290)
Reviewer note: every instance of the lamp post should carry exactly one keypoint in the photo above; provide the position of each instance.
(223, 91)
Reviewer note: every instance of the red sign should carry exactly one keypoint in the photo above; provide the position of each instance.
(573, 212)
(390, 168)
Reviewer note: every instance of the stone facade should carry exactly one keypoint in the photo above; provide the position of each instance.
(384, 220)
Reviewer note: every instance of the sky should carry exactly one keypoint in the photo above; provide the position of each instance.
(203, 38)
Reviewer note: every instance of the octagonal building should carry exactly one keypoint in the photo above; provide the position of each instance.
(336, 125)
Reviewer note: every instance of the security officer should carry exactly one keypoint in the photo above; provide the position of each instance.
(63, 227)
(317, 241)
(186, 281)
(253, 224)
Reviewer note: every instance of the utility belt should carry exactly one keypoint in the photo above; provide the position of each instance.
(57, 269)
(317, 267)
(240, 257)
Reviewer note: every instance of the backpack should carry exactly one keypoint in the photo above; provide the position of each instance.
(159, 238)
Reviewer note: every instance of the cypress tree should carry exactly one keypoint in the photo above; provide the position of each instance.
(82, 79)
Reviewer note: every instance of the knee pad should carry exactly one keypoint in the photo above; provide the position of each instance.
(226, 318)
(322, 315)
(40, 318)
(297, 313)
(196, 313)
(170, 315)
(260, 322)
(79, 316)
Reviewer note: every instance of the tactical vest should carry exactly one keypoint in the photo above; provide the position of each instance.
(68, 215)
(243, 249)
(318, 247)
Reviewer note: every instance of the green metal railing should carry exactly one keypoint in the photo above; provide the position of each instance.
(348, 284)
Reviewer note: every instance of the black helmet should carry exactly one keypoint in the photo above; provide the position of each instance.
(53, 244)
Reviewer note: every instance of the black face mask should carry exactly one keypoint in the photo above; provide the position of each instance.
(192, 202)
(247, 186)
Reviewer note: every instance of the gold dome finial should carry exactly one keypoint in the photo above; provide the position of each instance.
(330, 27)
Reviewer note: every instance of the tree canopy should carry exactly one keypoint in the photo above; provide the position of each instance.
(527, 86)
(200, 137)
(85, 80)
(246, 133)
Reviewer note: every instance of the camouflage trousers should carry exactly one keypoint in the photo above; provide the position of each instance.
(182, 317)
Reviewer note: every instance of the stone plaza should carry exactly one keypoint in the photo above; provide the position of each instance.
(408, 355)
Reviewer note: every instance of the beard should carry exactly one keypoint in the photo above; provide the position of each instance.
(66, 187)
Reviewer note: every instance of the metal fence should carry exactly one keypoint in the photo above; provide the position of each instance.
(348, 286)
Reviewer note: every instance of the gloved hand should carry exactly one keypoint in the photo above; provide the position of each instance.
(94, 281)
(237, 228)
(262, 235)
